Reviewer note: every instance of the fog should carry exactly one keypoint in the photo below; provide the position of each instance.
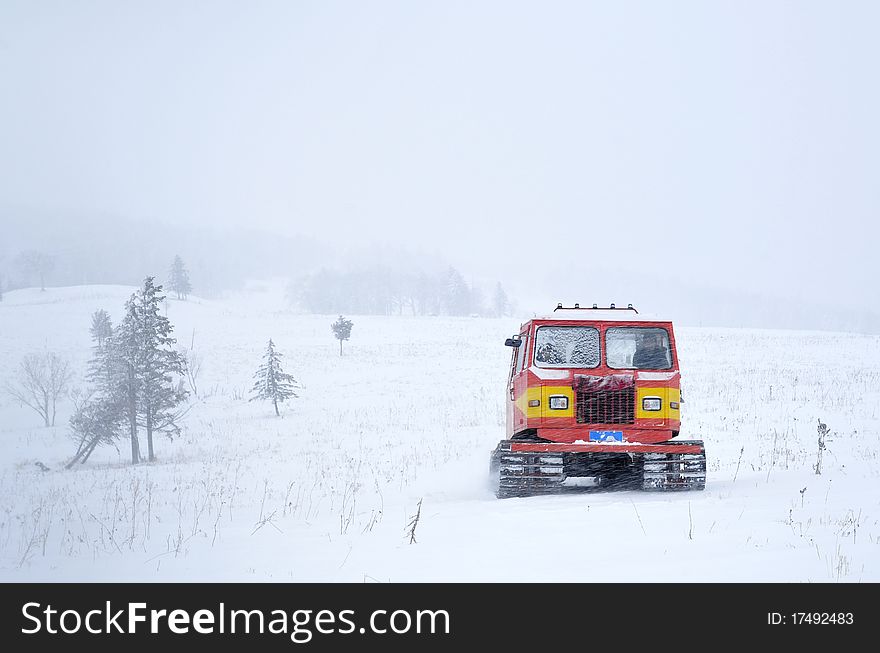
(714, 160)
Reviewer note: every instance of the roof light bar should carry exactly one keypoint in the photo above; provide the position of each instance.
(595, 307)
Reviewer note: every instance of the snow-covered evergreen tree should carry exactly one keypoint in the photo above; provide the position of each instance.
(148, 363)
(127, 355)
(99, 418)
(178, 279)
(159, 363)
(132, 376)
(270, 380)
(101, 327)
(342, 330)
(96, 421)
(104, 365)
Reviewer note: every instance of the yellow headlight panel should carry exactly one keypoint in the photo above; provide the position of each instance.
(666, 396)
(548, 391)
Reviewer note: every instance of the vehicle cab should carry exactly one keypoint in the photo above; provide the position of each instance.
(594, 375)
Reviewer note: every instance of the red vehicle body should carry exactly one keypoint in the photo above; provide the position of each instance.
(595, 392)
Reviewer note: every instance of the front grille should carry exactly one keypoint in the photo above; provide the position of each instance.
(606, 406)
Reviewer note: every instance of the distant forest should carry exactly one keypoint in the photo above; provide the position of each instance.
(77, 250)
(379, 290)
(46, 250)
(39, 249)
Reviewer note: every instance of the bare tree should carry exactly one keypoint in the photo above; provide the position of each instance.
(413, 524)
(192, 365)
(43, 378)
(824, 432)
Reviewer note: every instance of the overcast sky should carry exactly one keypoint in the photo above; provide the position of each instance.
(729, 144)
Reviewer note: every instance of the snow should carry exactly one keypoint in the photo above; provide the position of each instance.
(656, 376)
(548, 373)
(410, 412)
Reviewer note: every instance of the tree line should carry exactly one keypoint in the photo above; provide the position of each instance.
(36, 267)
(378, 290)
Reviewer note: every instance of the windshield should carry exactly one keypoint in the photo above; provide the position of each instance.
(640, 348)
(564, 346)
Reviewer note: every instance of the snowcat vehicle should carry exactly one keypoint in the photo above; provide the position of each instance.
(594, 399)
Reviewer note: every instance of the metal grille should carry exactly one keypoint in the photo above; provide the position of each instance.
(606, 406)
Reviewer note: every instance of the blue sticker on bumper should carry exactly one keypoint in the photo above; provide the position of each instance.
(606, 436)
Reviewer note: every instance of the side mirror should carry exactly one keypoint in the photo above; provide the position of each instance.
(516, 341)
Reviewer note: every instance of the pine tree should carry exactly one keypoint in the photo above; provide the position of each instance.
(132, 378)
(147, 364)
(101, 327)
(271, 382)
(179, 279)
(103, 366)
(342, 330)
(97, 421)
(159, 363)
(100, 417)
(127, 353)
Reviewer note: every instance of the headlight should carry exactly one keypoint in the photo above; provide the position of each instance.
(558, 402)
(651, 403)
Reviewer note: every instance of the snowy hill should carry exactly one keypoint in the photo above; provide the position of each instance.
(408, 413)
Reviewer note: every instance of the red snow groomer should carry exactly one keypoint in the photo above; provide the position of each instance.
(594, 399)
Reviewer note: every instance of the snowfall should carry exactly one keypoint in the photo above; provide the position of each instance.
(402, 425)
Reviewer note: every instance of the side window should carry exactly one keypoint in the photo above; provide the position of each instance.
(513, 363)
(521, 352)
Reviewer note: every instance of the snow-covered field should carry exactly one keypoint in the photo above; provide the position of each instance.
(408, 414)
